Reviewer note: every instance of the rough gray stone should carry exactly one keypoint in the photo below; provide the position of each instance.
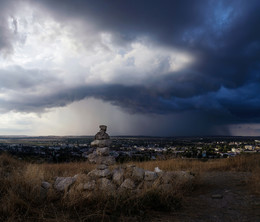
(92, 157)
(45, 185)
(63, 183)
(107, 185)
(102, 151)
(99, 173)
(90, 185)
(128, 184)
(101, 143)
(107, 160)
(150, 175)
(118, 176)
(138, 174)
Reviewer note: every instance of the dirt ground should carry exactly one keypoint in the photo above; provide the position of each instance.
(222, 196)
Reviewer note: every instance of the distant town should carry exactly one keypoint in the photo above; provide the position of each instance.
(53, 149)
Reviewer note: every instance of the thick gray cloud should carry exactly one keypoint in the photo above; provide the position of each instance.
(222, 84)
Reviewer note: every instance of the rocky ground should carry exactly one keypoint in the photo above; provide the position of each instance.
(222, 196)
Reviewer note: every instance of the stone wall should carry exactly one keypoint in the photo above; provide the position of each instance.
(122, 179)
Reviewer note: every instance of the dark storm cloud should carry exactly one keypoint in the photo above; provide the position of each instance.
(223, 36)
(17, 78)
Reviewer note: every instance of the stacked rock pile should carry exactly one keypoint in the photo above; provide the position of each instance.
(101, 154)
(122, 179)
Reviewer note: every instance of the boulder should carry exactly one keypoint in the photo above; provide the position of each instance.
(102, 151)
(63, 183)
(118, 176)
(92, 157)
(90, 185)
(101, 143)
(107, 160)
(99, 173)
(150, 175)
(107, 185)
(128, 184)
(138, 174)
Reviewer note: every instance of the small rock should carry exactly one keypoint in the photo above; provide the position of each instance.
(90, 185)
(101, 143)
(118, 176)
(107, 160)
(99, 173)
(92, 157)
(106, 184)
(63, 183)
(102, 151)
(150, 175)
(128, 184)
(157, 170)
(138, 174)
(45, 185)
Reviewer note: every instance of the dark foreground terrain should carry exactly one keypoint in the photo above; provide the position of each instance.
(222, 196)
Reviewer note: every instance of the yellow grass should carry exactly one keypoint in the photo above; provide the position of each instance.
(238, 163)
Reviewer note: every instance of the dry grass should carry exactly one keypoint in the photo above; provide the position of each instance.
(239, 163)
(21, 194)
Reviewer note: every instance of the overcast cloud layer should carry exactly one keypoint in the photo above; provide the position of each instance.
(189, 67)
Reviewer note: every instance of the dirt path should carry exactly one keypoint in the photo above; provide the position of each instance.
(223, 196)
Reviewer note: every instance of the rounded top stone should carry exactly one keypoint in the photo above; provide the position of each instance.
(103, 127)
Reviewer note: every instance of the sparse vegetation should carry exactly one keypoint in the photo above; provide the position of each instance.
(21, 195)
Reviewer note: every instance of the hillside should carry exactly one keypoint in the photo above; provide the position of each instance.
(235, 181)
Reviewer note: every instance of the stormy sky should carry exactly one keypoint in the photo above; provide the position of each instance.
(158, 68)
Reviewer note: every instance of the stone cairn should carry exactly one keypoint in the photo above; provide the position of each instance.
(123, 178)
(101, 154)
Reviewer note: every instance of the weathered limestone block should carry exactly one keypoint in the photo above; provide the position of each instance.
(118, 176)
(92, 157)
(150, 175)
(101, 143)
(63, 183)
(128, 184)
(106, 185)
(99, 173)
(107, 160)
(102, 151)
(138, 174)
(91, 185)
